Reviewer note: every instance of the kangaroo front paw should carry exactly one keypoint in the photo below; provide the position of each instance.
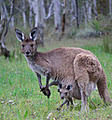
(46, 91)
(59, 109)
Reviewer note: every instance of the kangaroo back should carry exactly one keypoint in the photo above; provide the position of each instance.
(102, 89)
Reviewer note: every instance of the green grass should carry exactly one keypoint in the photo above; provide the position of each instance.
(19, 83)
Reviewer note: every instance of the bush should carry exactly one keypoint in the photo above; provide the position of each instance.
(85, 33)
(96, 25)
(107, 44)
(102, 25)
(72, 33)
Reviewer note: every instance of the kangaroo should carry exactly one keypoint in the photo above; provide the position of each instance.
(72, 90)
(88, 73)
(66, 93)
(64, 65)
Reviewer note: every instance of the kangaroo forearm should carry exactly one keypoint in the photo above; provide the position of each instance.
(53, 83)
(39, 80)
(47, 80)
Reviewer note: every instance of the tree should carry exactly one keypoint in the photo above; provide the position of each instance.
(89, 10)
(85, 12)
(64, 17)
(57, 18)
(21, 7)
(30, 14)
(77, 12)
(110, 7)
(38, 8)
(4, 26)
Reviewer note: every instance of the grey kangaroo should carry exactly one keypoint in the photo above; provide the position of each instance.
(64, 65)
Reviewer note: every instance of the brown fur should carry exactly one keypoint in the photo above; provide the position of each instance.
(88, 72)
(67, 65)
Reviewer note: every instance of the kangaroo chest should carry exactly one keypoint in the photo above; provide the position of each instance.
(37, 68)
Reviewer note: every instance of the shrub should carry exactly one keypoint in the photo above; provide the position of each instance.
(107, 44)
(86, 33)
(72, 33)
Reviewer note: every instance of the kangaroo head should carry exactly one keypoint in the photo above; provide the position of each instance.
(64, 90)
(28, 45)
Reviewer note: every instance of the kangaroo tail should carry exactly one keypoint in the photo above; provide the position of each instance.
(102, 89)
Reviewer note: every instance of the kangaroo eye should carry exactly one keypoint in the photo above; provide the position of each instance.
(66, 93)
(32, 45)
(58, 90)
(23, 46)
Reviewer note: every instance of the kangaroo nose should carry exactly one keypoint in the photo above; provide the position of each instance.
(62, 97)
(27, 53)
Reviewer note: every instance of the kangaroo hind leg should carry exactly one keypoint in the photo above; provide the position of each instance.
(83, 82)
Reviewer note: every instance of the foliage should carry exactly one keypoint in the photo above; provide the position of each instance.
(81, 33)
(72, 33)
(101, 5)
(102, 25)
(86, 33)
(107, 44)
(96, 25)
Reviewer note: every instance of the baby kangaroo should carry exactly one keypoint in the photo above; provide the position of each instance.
(65, 93)
(68, 92)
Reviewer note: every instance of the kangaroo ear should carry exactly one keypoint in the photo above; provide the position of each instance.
(19, 35)
(33, 34)
(69, 87)
(60, 85)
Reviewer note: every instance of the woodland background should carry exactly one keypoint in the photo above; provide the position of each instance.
(61, 16)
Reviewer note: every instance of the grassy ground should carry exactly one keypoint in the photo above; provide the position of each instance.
(21, 98)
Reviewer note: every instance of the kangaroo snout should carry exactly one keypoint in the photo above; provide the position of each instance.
(27, 53)
(62, 97)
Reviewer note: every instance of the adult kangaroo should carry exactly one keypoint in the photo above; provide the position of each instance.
(64, 65)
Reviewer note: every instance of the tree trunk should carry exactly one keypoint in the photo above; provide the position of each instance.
(4, 29)
(110, 7)
(40, 38)
(38, 9)
(95, 8)
(64, 17)
(50, 11)
(77, 11)
(39, 12)
(24, 14)
(24, 19)
(89, 10)
(85, 12)
(3, 10)
(73, 10)
(3, 49)
(30, 14)
(12, 22)
(57, 18)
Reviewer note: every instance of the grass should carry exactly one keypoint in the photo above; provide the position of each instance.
(20, 96)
